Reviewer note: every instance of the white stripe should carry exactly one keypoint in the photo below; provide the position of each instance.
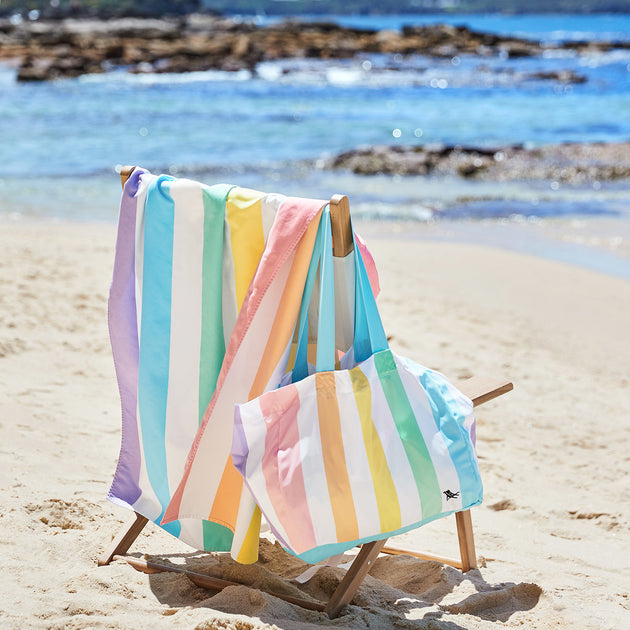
(313, 469)
(246, 509)
(269, 205)
(357, 462)
(192, 532)
(141, 198)
(255, 432)
(182, 403)
(438, 449)
(344, 301)
(230, 306)
(397, 460)
(147, 503)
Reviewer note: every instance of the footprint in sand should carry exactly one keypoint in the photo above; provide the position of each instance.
(75, 514)
(11, 346)
(498, 603)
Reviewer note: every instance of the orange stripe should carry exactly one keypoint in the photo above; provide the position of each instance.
(334, 458)
(288, 311)
(225, 505)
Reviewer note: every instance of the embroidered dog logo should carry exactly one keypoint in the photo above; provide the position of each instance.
(450, 495)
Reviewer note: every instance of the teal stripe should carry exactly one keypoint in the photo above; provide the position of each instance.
(321, 552)
(450, 422)
(215, 536)
(410, 434)
(155, 337)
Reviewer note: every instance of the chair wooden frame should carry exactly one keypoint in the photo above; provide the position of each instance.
(480, 390)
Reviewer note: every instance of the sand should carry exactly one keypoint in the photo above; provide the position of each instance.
(553, 534)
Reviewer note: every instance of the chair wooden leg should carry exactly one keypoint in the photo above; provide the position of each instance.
(353, 578)
(124, 539)
(212, 583)
(466, 540)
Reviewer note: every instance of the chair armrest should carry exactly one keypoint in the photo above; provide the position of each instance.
(481, 389)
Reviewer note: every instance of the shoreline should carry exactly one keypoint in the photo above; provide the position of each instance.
(599, 245)
(586, 223)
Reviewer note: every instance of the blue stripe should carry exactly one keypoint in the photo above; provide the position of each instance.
(155, 337)
(450, 421)
(369, 335)
(300, 368)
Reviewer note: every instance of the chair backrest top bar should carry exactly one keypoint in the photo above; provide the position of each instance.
(339, 218)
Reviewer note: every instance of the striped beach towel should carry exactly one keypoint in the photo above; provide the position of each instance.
(204, 297)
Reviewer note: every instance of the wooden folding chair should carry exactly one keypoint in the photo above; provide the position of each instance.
(479, 390)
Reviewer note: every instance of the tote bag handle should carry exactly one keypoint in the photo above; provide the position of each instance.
(322, 258)
(369, 335)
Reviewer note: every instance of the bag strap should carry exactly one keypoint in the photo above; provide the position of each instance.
(369, 334)
(326, 320)
(300, 368)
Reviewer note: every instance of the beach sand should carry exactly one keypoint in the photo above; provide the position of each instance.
(553, 533)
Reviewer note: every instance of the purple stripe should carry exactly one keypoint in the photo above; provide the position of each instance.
(240, 450)
(123, 334)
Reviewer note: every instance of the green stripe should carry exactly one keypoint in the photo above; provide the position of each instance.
(212, 338)
(215, 536)
(410, 434)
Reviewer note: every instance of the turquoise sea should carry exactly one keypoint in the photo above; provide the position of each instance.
(61, 142)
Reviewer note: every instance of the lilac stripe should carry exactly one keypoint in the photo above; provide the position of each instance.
(240, 450)
(123, 334)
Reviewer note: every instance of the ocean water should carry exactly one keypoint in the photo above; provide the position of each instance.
(61, 142)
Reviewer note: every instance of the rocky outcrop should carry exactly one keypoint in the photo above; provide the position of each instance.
(68, 48)
(572, 163)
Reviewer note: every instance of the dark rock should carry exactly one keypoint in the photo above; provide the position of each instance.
(563, 76)
(571, 163)
(198, 42)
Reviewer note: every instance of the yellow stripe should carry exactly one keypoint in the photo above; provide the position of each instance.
(248, 553)
(244, 214)
(335, 466)
(384, 489)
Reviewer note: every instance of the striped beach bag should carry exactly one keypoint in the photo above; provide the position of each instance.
(345, 454)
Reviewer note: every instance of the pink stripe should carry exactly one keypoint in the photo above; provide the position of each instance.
(282, 466)
(370, 265)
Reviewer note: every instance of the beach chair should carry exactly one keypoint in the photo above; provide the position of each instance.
(480, 390)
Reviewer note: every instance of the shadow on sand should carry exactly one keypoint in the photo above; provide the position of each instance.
(401, 591)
